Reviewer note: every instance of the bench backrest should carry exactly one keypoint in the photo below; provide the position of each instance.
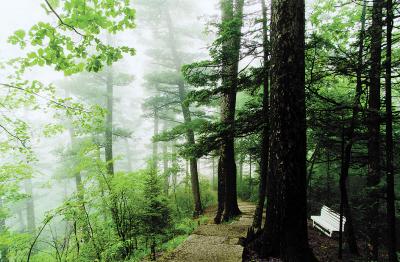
(332, 217)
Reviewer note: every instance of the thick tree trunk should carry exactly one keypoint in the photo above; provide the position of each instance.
(109, 123)
(285, 233)
(374, 152)
(390, 193)
(221, 193)
(230, 64)
(265, 133)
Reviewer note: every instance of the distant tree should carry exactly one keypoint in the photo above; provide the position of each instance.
(167, 78)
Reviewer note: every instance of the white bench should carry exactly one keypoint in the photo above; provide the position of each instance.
(328, 222)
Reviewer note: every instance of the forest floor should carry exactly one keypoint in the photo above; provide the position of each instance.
(212, 242)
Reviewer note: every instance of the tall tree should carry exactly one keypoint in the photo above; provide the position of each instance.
(285, 232)
(373, 122)
(265, 132)
(232, 20)
(190, 138)
(170, 55)
(345, 165)
(390, 193)
(109, 122)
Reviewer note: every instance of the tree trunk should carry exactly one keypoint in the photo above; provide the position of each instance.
(250, 175)
(221, 194)
(230, 65)
(373, 121)
(241, 171)
(390, 198)
(109, 124)
(328, 190)
(351, 239)
(344, 199)
(265, 133)
(190, 138)
(194, 175)
(285, 233)
(213, 173)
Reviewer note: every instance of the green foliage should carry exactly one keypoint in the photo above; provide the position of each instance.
(54, 45)
(156, 210)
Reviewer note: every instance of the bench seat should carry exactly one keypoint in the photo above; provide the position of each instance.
(328, 222)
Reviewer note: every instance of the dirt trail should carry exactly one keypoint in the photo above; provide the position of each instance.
(213, 242)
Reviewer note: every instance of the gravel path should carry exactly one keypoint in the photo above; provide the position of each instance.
(213, 242)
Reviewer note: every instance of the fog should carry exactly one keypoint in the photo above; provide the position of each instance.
(49, 190)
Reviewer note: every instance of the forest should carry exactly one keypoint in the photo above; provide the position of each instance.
(213, 130)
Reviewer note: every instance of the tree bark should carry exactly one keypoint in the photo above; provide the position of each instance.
(230, 64)
(265, 132)
(285, 232)
(373, 122)
(390, 193)
(221, 194)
